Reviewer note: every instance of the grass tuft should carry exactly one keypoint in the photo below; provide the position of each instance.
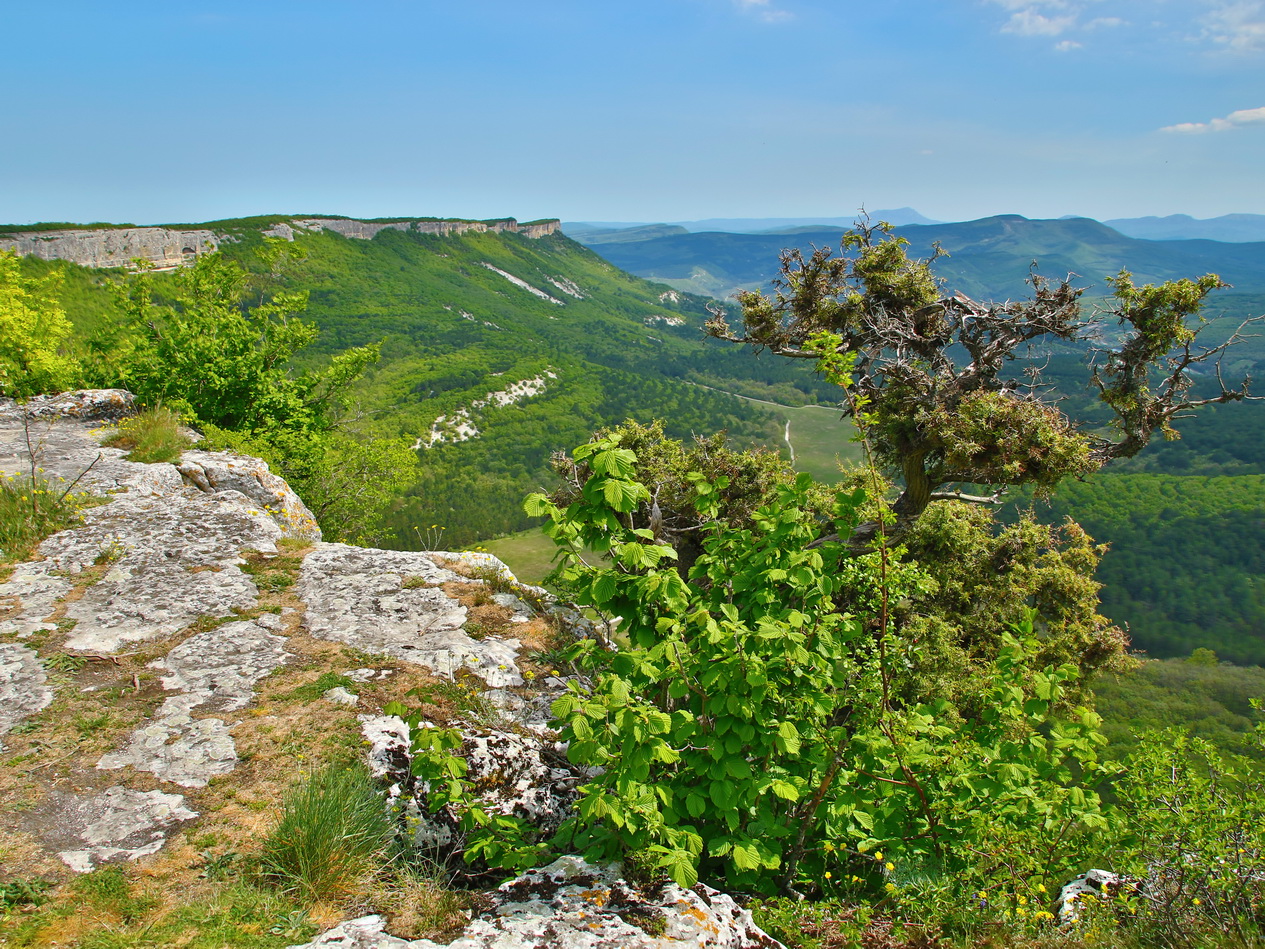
(335, 836)
(30, 511)
(150, 437)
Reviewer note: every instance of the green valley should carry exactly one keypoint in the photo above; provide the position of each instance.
(499, 349)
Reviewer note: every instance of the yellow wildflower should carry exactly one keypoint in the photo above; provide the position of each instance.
(890, 866)
(1040, 887)
(890, 887)
(827, 874)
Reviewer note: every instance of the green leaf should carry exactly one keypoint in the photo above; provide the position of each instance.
(682, 869)
(787, 739)
(616, 462)
(784, 790)
(746, 856)
(538, 505)
(695, 804)
(604, 587)
(623, 495)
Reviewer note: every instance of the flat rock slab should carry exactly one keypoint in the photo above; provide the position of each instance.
(118, 824)
(173, 549)
(221, 667)
(389, 602)
(23, 686)
(216, 671)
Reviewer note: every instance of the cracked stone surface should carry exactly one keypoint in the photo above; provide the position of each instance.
(173, 549)
(222, 665)
(217, 669)
(520, 775)
(117, 824)
(215, 471)
(359, 596)
(23, 688)
(573, 905)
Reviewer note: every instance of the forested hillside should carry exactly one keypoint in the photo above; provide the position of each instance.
(535, 342)
(531, 343)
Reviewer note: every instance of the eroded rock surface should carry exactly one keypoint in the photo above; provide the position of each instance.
(516, 774)
(23, 686)
(389, 602)
(216, 671)
(573, 905)
(215, 471)
(117, 824)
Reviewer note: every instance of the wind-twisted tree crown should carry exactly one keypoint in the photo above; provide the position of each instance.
(948, 390)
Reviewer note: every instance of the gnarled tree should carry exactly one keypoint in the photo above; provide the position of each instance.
(948, 390)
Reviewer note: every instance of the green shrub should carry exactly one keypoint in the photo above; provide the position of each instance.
(1191, 830)
(334, 837)
(150, 437)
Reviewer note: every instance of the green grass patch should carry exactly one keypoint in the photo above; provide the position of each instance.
(335, 836)
(152, 436)
(32, 510)
(15, 893)
(822, 440)
(314, 690)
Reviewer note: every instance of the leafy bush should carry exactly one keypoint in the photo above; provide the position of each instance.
(152, 436)
(33, 329)
(334, 836)
(749, 728)
(1191, 832)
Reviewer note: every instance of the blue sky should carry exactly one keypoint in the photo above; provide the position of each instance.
(648, 111)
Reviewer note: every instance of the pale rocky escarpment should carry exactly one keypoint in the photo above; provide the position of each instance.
(164, 248)
(167, 248)
(164, 553)
(367, 230)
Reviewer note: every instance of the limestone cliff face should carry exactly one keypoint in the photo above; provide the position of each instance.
(166, 249)
(367, 230)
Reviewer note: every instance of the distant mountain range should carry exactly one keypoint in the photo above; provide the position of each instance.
(989, 258)
(1231, 228)
(1180, 227)
(599, 232)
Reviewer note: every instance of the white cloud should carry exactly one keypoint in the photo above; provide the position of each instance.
(1239, 26)
(1235, 119)
(1066, 46)
(763, 9)
(1104, 21)
(1030, 22)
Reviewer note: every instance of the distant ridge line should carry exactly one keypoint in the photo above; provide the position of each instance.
(166, 248)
